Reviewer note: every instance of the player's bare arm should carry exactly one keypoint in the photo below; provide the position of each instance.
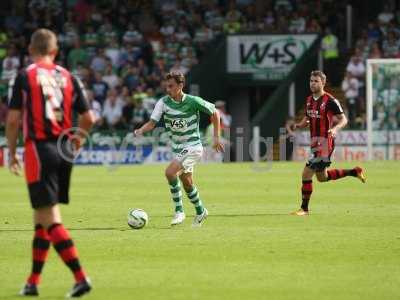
(149, 126)
(339, 121)
(86, 120)
(215, 120)
(12, 128)
(85, 123)
(302, 124)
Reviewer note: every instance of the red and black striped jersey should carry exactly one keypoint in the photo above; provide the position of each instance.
(47, 94)
(320, 112)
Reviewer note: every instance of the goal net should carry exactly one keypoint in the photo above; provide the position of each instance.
(383, 109)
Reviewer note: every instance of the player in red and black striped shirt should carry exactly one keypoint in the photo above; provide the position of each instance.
(325, 117)
(44, 96)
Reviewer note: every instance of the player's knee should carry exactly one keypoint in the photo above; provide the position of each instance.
(169, 174)
(307, 174)
(43, 223)
(322, 178)
(306, 178)
(47, 216)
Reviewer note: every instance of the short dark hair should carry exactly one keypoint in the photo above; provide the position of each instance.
(320, 74)
(178, 77)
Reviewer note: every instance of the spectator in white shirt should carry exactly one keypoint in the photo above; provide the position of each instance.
(357, 68)
(99, 61)
(179, 68)
(132, 35)
(10, 65)
(386, 15)
(350, 86)
(167, 29)
(110, 77)
(113, 52)
(112, 111)
(226, 119)
(297, 23)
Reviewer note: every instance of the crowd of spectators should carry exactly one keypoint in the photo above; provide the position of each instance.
(121, 52)
(380, 39)
(122, 49)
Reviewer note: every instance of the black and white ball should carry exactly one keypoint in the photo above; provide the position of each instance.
(137, 218)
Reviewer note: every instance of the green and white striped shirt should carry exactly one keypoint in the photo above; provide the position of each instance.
(182, 119)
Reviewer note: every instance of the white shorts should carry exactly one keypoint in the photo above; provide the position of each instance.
(188, 157)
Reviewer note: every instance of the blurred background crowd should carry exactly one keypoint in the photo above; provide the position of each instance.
(122, 49)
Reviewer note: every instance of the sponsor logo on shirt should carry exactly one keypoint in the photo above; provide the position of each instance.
(178, 124)
(313, 113)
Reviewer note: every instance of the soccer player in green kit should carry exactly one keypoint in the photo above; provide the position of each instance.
(181, 114)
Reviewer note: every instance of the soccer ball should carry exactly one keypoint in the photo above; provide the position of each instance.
(137, 218)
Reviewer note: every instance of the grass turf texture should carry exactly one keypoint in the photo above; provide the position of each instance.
(249, 247)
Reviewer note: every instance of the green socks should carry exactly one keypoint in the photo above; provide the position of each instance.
(194, 197)
(175, 188)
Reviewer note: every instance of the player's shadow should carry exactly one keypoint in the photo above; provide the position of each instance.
(16, 296)
(234, 215)
(90, 229)
(154, 227)
(251, 215)
(73, 229)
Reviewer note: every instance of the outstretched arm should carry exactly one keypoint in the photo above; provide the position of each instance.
(302, 124)
(154, 118)
(149, 126)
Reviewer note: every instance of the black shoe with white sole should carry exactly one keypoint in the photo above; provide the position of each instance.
(29, 290)
(79, 289)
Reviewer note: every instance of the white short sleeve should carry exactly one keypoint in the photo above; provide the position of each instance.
(158, 111)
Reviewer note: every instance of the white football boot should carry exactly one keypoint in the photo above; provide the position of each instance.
(199, 219)
(178, 218)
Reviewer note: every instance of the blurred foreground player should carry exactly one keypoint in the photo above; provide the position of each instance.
(325, 117)
(44, 96)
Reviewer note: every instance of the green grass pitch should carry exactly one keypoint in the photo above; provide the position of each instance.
(248, 248)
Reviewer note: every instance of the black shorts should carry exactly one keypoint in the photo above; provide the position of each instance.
(318, 164)
(48, 171)
(321, 154)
